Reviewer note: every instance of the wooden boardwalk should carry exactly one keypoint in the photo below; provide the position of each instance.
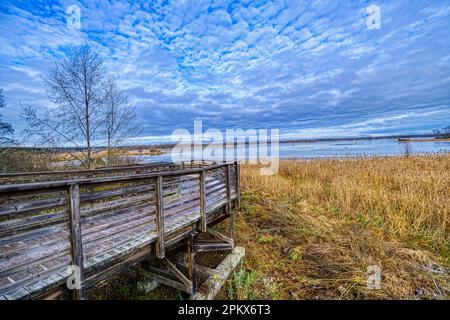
(104, 221)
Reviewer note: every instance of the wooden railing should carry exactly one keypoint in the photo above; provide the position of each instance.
(27, 177)
(156, 207)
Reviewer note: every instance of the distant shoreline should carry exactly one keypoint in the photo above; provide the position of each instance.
(424, 140)
(163, 147)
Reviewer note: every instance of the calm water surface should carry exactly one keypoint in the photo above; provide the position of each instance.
(322, 149)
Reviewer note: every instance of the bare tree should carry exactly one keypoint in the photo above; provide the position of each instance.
(6, 129)
(120, 116)
(444, 132)
(75, 86)
(407, 149)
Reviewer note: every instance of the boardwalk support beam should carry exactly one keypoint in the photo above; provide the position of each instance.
(166, 278)
(191, 261)
(228, 204)
(160, 243)
(221, 236)
(76, 249)
(173, 277)
(223, 243)
(237, 173)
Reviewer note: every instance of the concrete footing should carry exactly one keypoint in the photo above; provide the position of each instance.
(215, 278)
(148, 285)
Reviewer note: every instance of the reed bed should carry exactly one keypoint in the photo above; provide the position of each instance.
(312, 230)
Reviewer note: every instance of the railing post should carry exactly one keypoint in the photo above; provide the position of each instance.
(191, 262)
(238, 186)
(228, 205)
(160, 251)
(203, 222)
(76, 246)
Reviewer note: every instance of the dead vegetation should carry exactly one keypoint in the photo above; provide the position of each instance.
(40, 159)
(312, 230)
(26, 160)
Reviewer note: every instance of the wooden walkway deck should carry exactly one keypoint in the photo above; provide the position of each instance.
(102, 221)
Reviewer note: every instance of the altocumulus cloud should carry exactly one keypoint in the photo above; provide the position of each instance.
(309, 68)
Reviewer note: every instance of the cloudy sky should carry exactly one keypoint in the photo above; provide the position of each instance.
(308, 68)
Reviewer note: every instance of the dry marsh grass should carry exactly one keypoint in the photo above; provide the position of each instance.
(312, 230)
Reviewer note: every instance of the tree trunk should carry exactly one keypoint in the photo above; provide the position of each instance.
(109, 150)
(88, 130)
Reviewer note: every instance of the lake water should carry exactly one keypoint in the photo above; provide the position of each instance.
(381, 147)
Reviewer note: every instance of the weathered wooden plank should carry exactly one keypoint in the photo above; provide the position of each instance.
(17, 294)
(212, 246)
(228, 187)
(177, 272)
(221, 236)
(184, 205)
(165, 278)
(203, 225)
(106, 232)
(34, 281)
(32, 258)
(214, 199)
(160, 252)
(229, 209)
(6, 195)
(102, 271)
(75, 237)
(11, 252)
(180, 233)
(168, 186)
(7, 210)
(192, 271)
(14, 226)
(120, 248)
(115, 192)
(30, 235)
(65, 183)
(115, 170)
(96, 208)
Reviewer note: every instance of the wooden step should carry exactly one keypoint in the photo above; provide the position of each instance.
(208, 246)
